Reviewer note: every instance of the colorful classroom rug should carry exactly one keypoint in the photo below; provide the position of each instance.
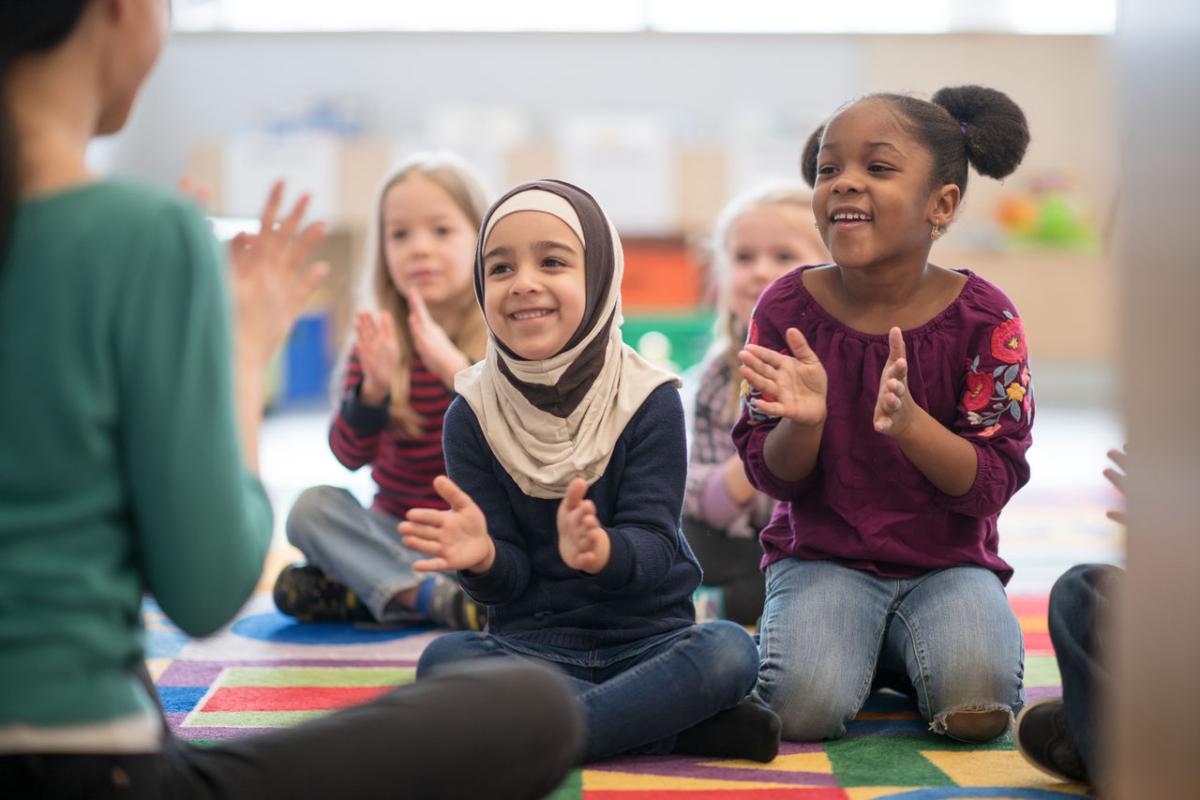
(265, 671)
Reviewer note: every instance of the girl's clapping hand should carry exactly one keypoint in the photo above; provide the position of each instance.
(379, 353)
(793, 387)
(582, 543)
(430, 341)
(454, 539)
(894, 408)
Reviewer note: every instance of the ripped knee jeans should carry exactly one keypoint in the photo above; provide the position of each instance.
(830, 634)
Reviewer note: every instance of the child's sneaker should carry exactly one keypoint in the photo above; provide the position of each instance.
(1043, 737)
(449, 606)
(308, 594)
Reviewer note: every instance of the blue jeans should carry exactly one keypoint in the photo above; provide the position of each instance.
(357, 546)
(636, 696)
(1079, 605)
(830, 633)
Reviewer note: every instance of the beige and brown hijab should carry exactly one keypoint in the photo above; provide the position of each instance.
(552, 420)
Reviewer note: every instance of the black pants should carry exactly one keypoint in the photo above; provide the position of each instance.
(479, 730)
(1079, 606)
(731, 564)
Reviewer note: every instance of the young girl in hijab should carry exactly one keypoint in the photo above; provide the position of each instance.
(566, 461)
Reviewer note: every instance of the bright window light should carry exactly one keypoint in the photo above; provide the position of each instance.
(799, 16)
(1088, 17)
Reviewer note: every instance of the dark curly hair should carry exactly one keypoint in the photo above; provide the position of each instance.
(26, 26)
(961, 125)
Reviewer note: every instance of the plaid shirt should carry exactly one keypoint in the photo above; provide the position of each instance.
(711, 447)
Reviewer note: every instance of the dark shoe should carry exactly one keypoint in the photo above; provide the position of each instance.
(451, 607)
(1045, 740)
(308, 594)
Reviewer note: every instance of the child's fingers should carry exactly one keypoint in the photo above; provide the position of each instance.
(425, 516)
(432, 565)
(417, 303)
(763, 355)
(387, 324)
(576, 489)
(896, 388)
(883, 424)
(425, 530)
(756, 365)
(799, 347)
(768, 407)
(1116, 479)
(429, 547)
(895, 344)
(448, 490)
(899, 369)
(1117, 516)
(1120, 458)
(759, 381)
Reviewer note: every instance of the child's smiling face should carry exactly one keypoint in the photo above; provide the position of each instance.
(873, 199)
(534, 292)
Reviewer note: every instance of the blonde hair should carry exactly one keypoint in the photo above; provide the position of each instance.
(468, 331)
(728, 334)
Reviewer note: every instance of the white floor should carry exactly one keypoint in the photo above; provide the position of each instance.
(1054, 522)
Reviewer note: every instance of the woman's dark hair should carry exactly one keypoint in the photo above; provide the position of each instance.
(26, 26)
(962, 125)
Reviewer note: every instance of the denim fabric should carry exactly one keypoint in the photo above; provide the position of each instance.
(358, 546)
(636, 696)
(1079, 603)
(830, 633)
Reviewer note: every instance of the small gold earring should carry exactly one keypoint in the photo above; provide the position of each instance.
(937, 232)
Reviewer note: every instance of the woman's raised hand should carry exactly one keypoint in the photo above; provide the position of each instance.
(272, 278)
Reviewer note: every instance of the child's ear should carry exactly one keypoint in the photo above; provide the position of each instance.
(944, 205)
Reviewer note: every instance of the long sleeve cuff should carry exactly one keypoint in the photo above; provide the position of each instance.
(616, 572)
(364, 419)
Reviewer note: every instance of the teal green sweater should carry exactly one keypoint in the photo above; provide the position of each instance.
(120, 468)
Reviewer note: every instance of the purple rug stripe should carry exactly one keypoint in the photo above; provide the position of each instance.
(203, 673)
(1038, 692)
(675, 767)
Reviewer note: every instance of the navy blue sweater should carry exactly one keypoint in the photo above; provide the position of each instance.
(646, 587)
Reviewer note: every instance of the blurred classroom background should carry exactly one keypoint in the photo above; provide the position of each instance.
(663, 109)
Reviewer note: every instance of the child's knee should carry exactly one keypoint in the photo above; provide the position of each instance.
(974, 725)
(736, 656)
(810, 708)
(448, 649)
(306, 515)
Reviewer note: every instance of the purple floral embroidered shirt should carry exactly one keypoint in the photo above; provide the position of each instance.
(865, 505)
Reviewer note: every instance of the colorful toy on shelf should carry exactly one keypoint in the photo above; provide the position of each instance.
(1050, 213)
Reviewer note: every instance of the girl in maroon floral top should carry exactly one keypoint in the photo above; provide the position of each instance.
(888, 410)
